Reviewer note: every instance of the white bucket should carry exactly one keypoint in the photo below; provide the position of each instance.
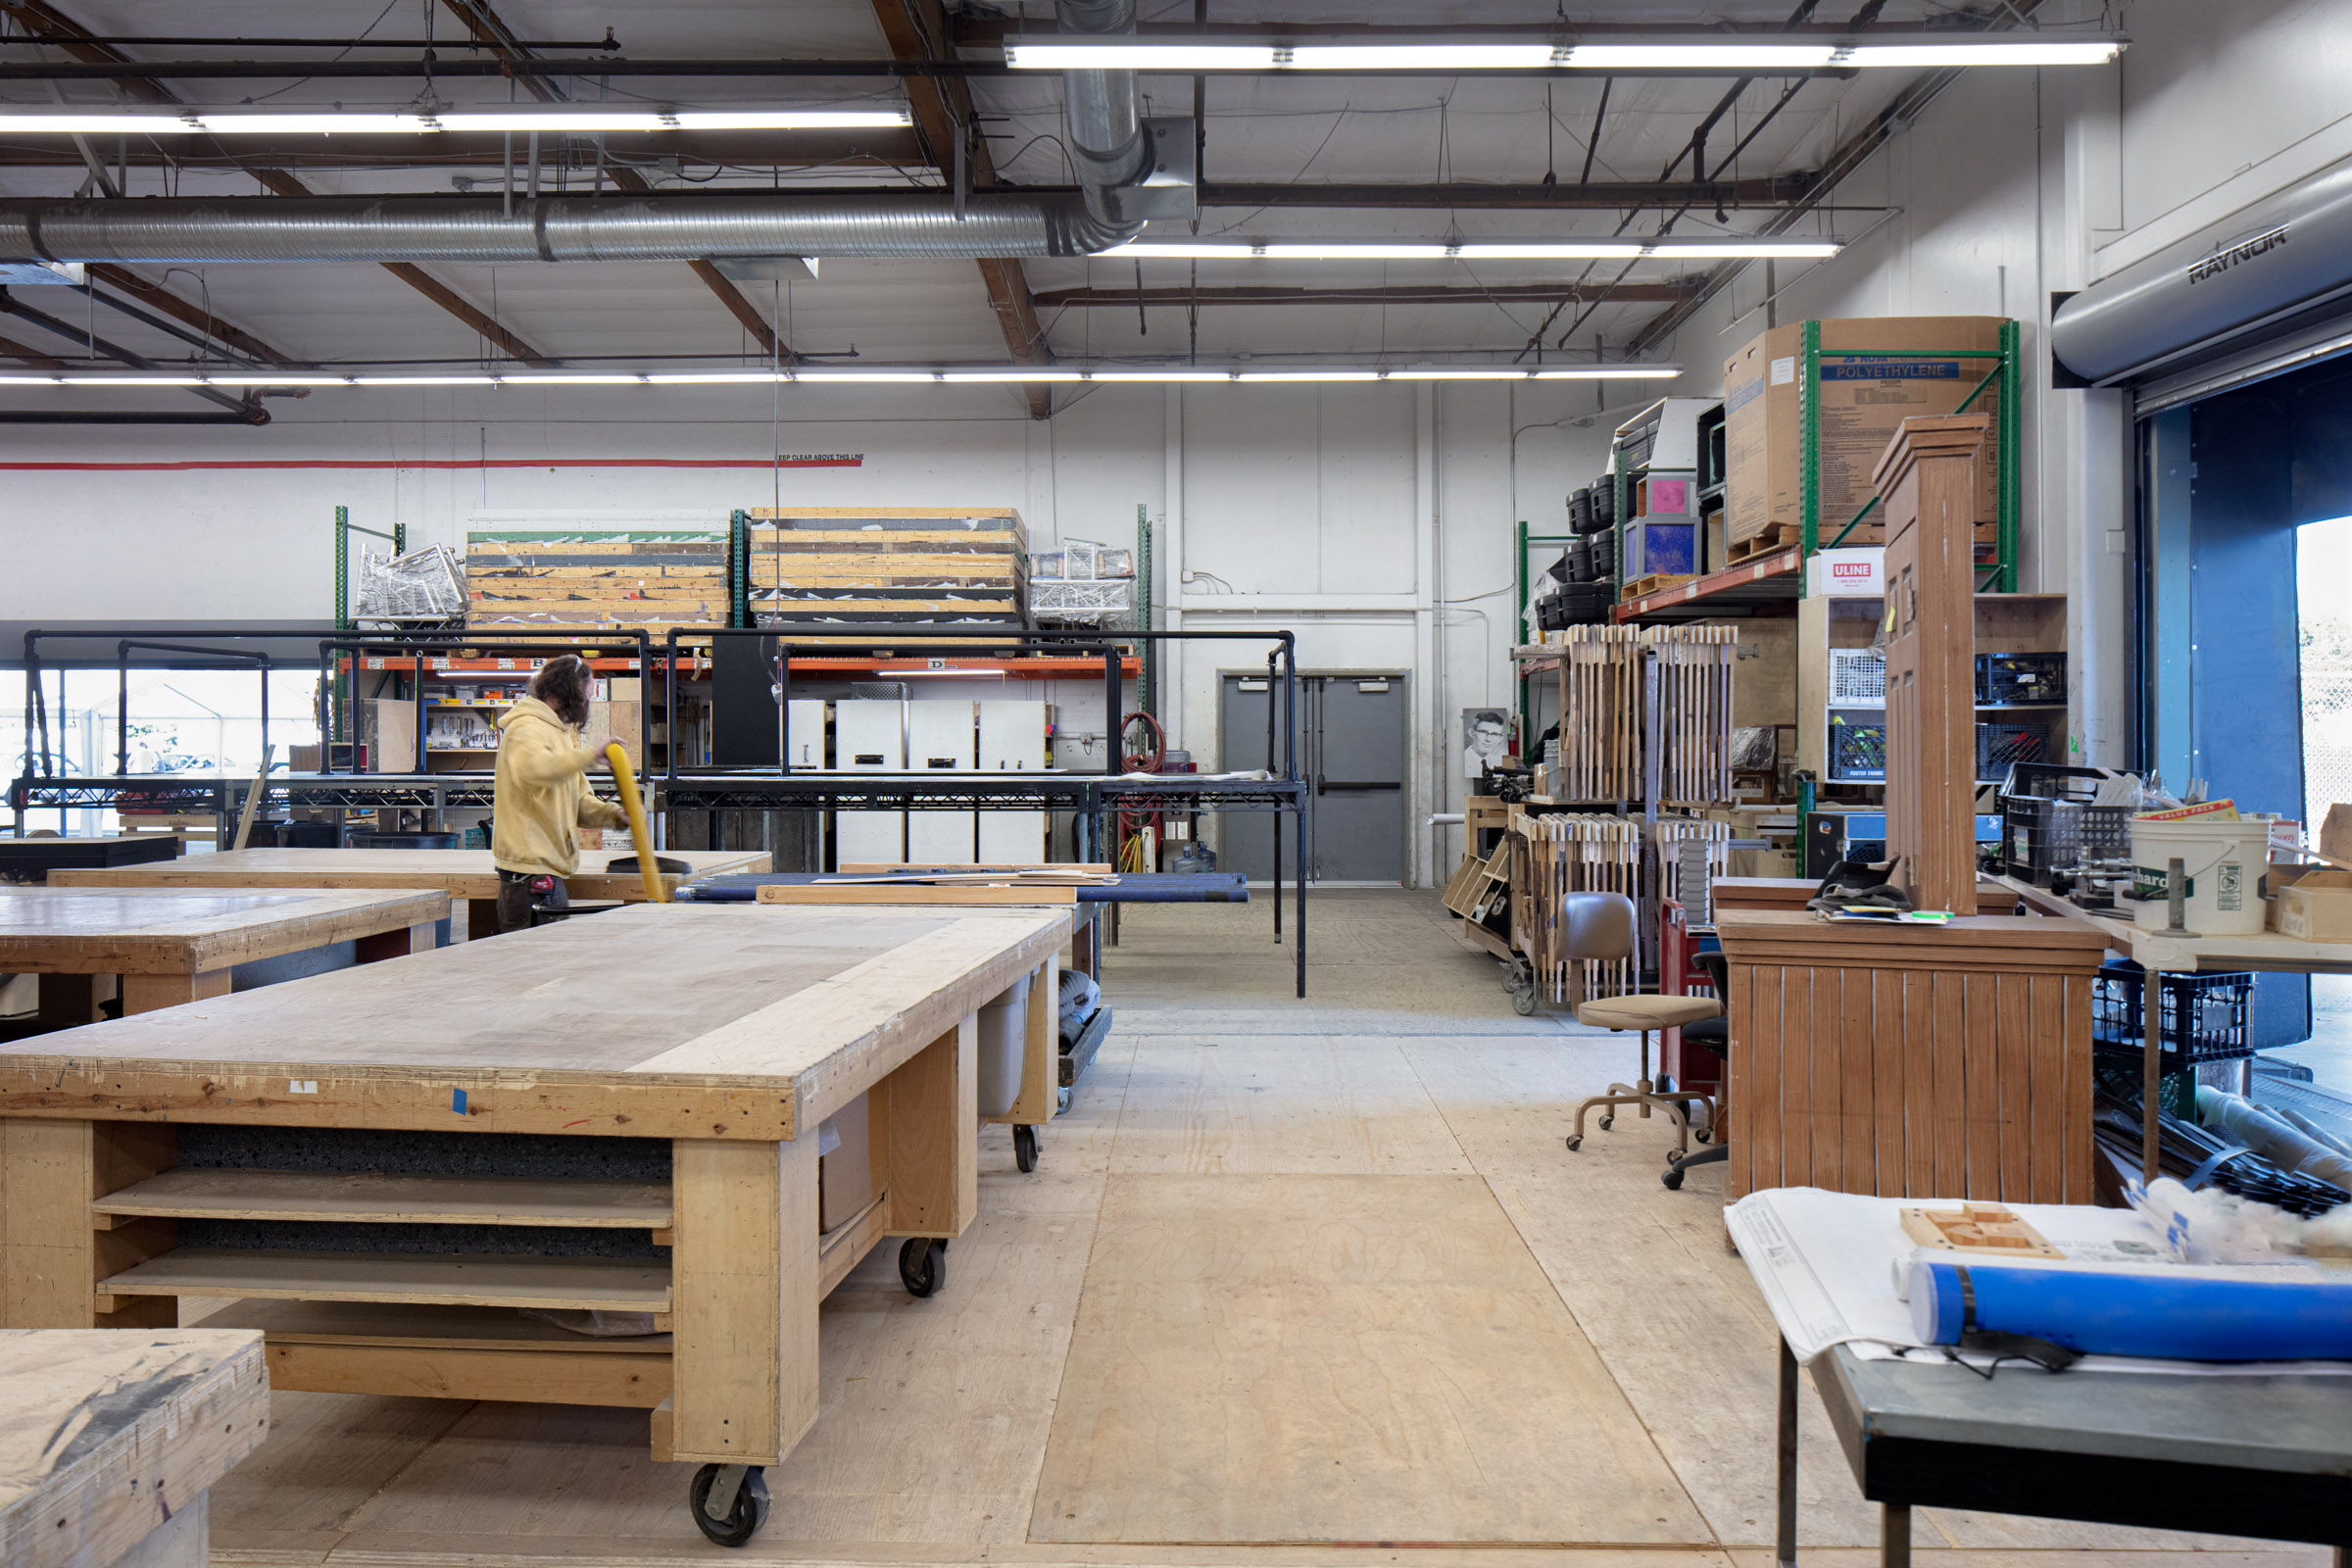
(2223, 861)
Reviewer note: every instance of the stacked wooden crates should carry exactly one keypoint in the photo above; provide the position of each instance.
(598, 577)
(860, 567)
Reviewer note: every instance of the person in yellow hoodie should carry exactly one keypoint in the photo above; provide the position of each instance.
(542, 792)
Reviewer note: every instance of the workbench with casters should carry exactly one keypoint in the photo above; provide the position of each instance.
(624, 1115)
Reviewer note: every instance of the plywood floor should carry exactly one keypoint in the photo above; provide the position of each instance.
(1296, 1283)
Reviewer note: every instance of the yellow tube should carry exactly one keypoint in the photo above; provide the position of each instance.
(640, 834)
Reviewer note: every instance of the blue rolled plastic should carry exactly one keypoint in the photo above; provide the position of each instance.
(2186, 1319)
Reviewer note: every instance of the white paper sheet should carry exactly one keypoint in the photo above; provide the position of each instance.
(1826, 1264)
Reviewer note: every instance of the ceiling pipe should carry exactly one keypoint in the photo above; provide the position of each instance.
(1109, 144)
(560, 228)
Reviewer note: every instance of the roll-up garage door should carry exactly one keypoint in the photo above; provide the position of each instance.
(2266, 291)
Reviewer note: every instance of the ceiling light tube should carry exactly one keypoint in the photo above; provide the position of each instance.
(1016, 373)
(2023, 51)
(1439, 52)
(952, 375)
(292, 378)
(358, 123)
(424, 381)
(852, 378)
(715, 378)
(1609, 372)
(1161, 376)
(1656, 249)
(1307, 376)
(132, 380)
(576, 378)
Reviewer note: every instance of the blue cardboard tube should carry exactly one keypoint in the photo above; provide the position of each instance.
(2295, 1318)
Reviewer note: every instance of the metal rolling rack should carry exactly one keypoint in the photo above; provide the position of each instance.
(1092, 797)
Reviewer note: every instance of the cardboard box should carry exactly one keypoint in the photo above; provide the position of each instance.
(1718, 541)
(1847, 574)
(1862, 402)
(2318, 906)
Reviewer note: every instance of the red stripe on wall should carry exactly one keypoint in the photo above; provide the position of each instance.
(454, 463)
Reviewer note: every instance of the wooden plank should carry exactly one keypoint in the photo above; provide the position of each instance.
(922, 1122)
(746, 1254)
(145, 992)
(1826, 1077)
(1916, 1063)
(51, 1259)
(419, 1326)
(845, 1246)
(148, 931)
(1858, 1090)
(1798, 1129)
(2076, 1095)
(1949, 1106)
(637, 1381)
(2048, 1105)
(461, 1280)
(1981, 1087)
(1040, 1099)
(372, 1198)
(2017, 1089)
(461, 873)
(911, 892)
(104, 1437)
(1757, 1126)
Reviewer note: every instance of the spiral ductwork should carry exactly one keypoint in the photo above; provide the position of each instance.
(557, 228)
(1109, 144)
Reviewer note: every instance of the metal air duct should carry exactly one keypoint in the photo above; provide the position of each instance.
(2279, 256)
(547, 229)
(1109, 145)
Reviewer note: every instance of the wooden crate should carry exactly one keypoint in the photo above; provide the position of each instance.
(599, 579)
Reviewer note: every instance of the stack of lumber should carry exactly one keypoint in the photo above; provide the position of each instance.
(598, 579)
(1603, 700)
(865, 567)
(1575, 852)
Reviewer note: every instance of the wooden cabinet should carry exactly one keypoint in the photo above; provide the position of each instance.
(1906, 1061)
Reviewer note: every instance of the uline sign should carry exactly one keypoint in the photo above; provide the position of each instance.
(2244, 250)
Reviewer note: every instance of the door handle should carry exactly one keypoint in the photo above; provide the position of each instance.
(1335, 786)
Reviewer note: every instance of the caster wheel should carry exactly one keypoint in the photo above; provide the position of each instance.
(738, 1517)
(1024, 1148)
(1575, 1141)
(1523, 1001)
(1702, 1135)
(1673, 1178)
(1608, 1121)
(923, 1264)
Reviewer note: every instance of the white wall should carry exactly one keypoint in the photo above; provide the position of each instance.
(1374, 520)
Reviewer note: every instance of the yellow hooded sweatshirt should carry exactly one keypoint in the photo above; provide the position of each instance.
(543, 793)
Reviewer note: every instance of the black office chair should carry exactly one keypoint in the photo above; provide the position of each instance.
(1715, 1035)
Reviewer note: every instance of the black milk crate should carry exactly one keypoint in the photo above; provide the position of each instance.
(1857, 752)
(2040, 835)
(2021, 678)
(1999, 746)
(2204, 1014)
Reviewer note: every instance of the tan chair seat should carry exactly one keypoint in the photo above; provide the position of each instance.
(1646, 1012)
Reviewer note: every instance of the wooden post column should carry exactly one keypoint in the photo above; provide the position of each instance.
(1929, 479)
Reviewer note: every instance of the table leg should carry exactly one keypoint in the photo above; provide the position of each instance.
(145, 992)
(382, 945)
(1786, 1534)
(1894, 1535)
(67, 1000)
(2151, 1072)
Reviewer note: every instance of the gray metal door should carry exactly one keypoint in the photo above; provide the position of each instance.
(1351, 751)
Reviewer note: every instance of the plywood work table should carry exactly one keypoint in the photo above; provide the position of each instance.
(175, 944)
(108, 1442)
(621, 1112)
(468, 874)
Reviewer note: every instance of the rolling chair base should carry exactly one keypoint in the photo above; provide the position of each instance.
(1676, 1164)
(1645, 1093)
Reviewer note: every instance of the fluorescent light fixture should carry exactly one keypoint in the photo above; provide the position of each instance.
(2022, 51)
(1014, 373)
(950, 375)
(1701, 56)
(364, 122)
(1760, 53)
(715, 377)
(1665, 248)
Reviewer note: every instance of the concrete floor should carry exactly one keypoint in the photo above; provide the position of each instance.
(1296, 1282)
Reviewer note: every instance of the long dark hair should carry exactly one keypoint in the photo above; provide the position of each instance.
(562, 683)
